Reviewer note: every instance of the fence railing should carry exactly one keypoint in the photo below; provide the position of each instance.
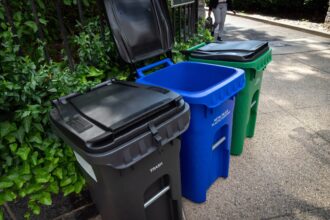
(184, 20)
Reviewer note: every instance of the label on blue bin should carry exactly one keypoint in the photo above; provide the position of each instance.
(221, 117)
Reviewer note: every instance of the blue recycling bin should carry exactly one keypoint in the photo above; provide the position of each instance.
(210, 91)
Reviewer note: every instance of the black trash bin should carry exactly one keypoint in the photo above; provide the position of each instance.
(126, 139)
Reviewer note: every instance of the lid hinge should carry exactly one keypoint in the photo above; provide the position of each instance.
(158, 139)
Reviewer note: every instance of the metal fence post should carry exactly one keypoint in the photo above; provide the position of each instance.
(64, 33)
(81, 12)
(40, 30)
(10, 20)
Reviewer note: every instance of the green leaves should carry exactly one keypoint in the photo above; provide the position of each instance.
(20, 134)
(13, 147)
(41, 4)
(7, 196)
(34, 158)
(68, 190)
(52, 90)
(32, 25)
(36, 138)
(32, 188)
(43, 21)
(39, 127)
(1, 215)
(5, 184)
(6, 128)
(68, 2)
(10, 139)
(35, 164)
(79, 185)
(43, 198)
(23, 152)
(93, 72)
(54, 188)
(27, 124)
(58, 173)
(41, 175)
(66, 182)
(34, 207)
(2, 14)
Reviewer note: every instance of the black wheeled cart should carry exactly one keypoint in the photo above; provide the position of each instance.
(126, 139)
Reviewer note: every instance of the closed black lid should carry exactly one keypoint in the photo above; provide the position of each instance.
(110, 110)
(141, 28)
(248, 45)
(118, 124)
(115, 106)
(238, 51)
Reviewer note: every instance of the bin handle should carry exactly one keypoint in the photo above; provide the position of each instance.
(140, 71)
(260, 69)
(157, 196)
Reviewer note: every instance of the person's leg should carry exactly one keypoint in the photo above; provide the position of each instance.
(217, 20)
(223, 13)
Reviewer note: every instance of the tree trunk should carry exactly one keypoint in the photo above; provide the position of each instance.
(327, 18)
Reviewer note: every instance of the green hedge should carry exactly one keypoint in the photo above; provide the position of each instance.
(34, 163)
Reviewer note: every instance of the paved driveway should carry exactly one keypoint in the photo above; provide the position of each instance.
(284, 172)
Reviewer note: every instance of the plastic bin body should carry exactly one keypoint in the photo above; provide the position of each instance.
(128, 147)
(121, 194)
(205, 152)
(247, 100)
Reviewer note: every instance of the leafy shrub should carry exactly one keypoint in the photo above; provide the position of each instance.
(35, 164)
(99, 51)
(309, 9)
(203, 35)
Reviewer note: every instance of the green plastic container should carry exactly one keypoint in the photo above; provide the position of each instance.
(246, 107)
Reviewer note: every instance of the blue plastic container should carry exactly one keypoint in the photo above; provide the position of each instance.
(210, 90)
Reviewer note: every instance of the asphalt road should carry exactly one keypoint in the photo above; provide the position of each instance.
(284, 172)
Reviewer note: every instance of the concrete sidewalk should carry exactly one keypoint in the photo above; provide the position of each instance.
(284, 172)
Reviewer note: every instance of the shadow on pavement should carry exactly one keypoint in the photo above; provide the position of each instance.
(320, 149)
(304, 209)
(234, 33)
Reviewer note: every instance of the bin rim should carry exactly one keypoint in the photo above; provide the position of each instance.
(212, 96)
(110, 157)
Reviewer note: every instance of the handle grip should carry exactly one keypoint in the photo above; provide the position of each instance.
(157, 196)
(140, 71)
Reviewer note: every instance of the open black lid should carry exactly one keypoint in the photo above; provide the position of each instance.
(236, 51)
(141, 28)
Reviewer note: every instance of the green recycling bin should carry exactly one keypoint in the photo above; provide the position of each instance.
(251, 56)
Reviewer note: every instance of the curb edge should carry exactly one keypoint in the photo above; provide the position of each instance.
(306, 30)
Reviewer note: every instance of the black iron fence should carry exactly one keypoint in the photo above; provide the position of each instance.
(64, 16)
(184, 20)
